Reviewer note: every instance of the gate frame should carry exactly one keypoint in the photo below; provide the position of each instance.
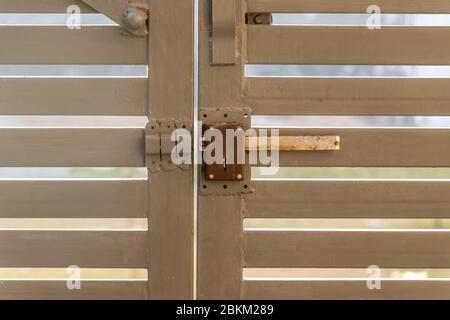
(171, 195)
(220, 223)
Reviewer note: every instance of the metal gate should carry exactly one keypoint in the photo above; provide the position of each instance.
(199, 242)
(95, 262)
(239, 261)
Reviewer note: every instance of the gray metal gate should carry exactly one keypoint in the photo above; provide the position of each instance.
(197, 244)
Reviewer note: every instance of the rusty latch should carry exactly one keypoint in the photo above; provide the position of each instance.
(230, 172)
(229, 168)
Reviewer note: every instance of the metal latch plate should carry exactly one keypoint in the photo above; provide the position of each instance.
(226, 182)
(228, 170)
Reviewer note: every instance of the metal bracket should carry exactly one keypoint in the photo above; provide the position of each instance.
(160, 144)
(223, 37)
(258, 18)
(132, 17)
(223, 179)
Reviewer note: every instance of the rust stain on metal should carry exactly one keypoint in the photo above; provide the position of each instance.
(294, 143)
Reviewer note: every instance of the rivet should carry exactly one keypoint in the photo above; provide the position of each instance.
(239, 177)
(134, 19)
(211, 176)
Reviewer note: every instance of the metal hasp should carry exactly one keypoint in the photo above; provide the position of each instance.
(161, 142)
(223, 36)
(132, 17)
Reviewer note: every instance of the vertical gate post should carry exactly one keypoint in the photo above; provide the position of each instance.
(171, 192)
(220, 218)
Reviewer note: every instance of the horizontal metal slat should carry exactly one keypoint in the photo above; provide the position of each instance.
(348, 45)
(42, 6)
(73, 96)
(348, 96)
(59, 45)
(61, 249)
(80, 147)
(349, 199)
(348, 6)
(346, 290)
(359, 249)
(73, 198)
(374, 148)
(57, 290)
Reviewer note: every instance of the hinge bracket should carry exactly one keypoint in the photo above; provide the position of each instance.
(161, 142)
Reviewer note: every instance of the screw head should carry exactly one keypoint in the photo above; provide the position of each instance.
(211, 176)
(239, 177)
